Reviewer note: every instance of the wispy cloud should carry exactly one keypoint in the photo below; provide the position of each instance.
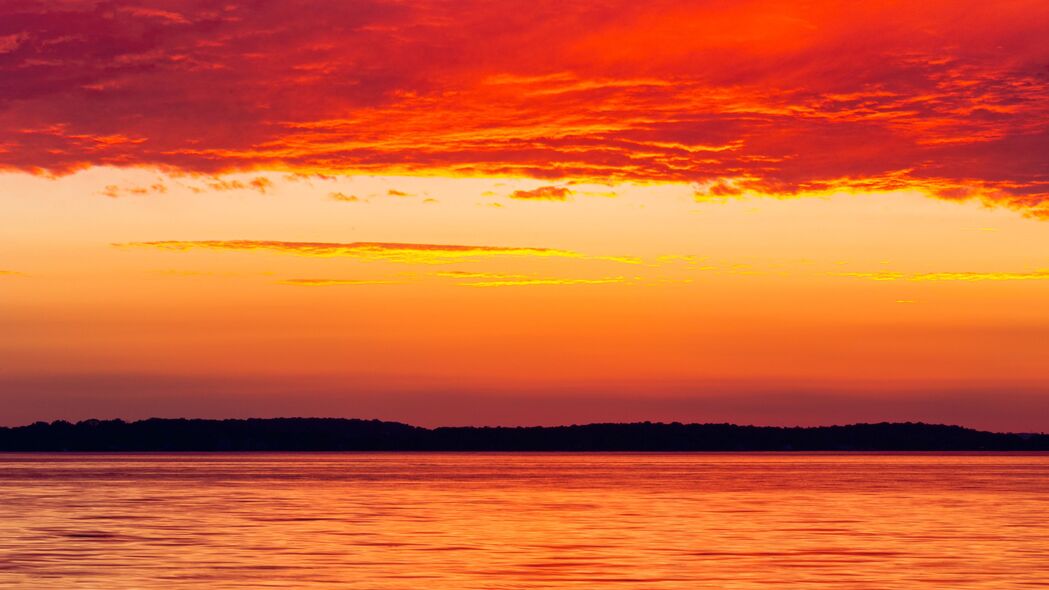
(1042, 275)
(114, 191)
(544, 281)
(334, 282)
(344, 198)
(492, 279)
(259, 184)
(462, 274)
(543, 193)
(385, 251)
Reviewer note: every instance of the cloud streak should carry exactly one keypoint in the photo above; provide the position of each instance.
(344, 198)
(384, 251)
(466, 279)
(462, 274)
(333, 282)
(951, 276)
(543, 193)
(543, 282)
(757, 96)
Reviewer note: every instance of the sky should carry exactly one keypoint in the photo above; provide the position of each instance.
(503, 212)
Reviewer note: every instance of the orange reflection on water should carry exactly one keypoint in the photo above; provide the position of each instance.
(444, 521)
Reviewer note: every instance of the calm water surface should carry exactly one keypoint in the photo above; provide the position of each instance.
(504, 521)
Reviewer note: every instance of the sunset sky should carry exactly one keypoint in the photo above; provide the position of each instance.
(503, 212)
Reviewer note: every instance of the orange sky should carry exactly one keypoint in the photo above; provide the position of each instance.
(503, 212)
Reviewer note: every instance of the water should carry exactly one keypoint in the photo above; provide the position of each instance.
(506, 521)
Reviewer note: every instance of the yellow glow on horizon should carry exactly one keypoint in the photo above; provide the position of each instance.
(852, 291)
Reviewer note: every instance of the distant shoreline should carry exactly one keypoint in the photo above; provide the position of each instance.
(338, 434)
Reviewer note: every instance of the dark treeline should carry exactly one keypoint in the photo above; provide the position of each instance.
(331, 434)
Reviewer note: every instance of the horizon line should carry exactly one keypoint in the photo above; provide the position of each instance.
(528, 426)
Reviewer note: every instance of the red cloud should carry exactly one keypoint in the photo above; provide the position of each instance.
(951, 96)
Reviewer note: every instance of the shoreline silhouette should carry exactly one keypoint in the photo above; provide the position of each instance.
(343, 434)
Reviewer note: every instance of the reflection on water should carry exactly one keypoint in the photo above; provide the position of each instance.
(462, 521)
